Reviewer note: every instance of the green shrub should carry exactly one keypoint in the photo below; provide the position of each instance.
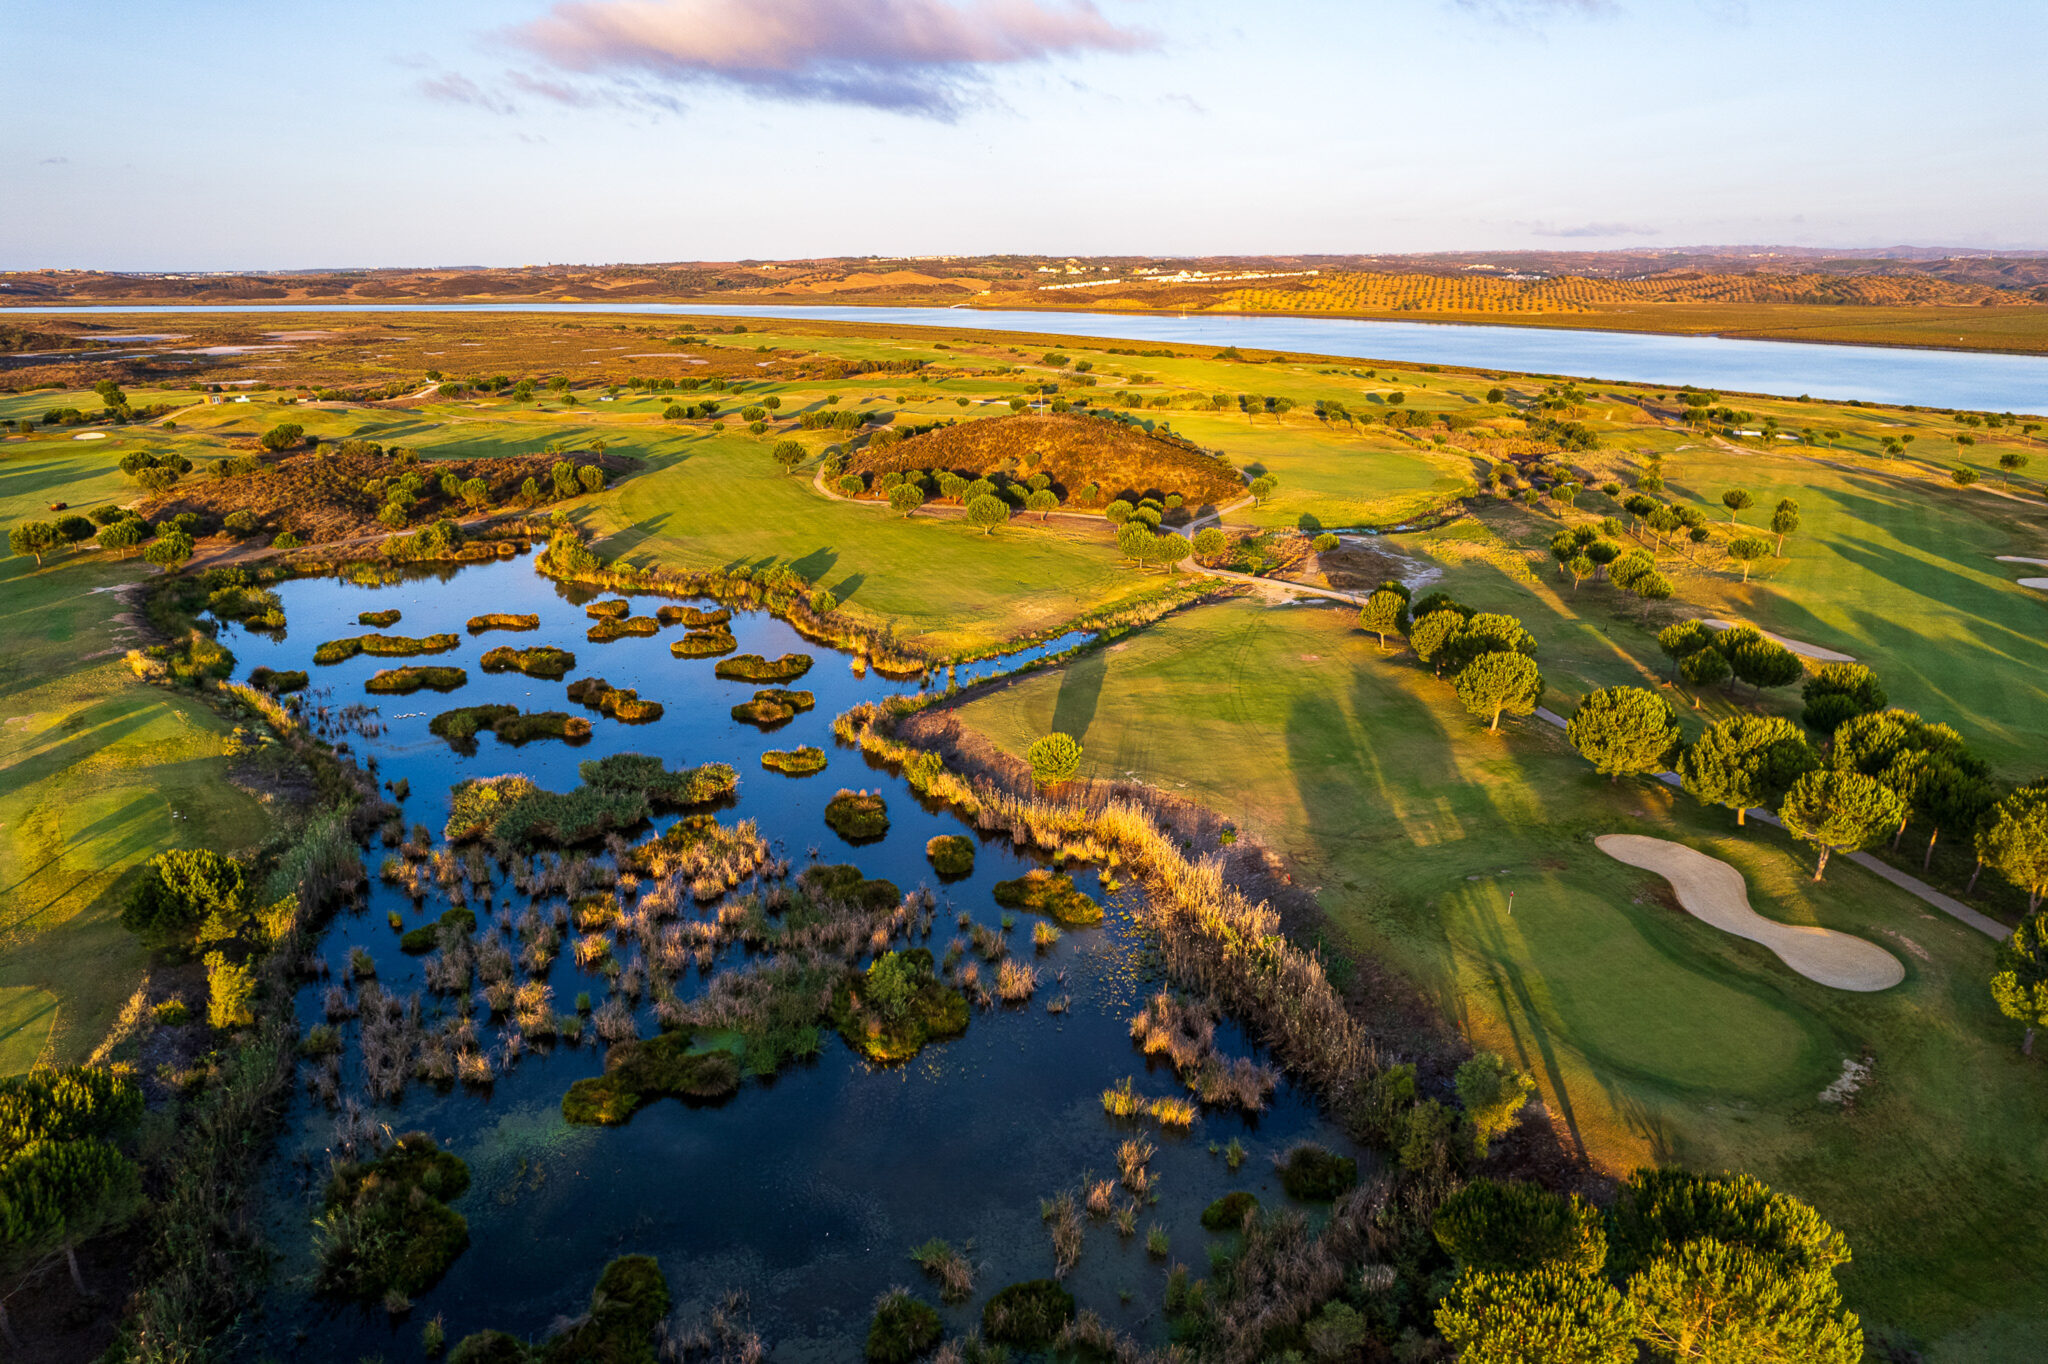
(405, 681)
(1515, 1227)
(890, 1011)
(542, 660)
(857, 815)
(180, 891)
(1316, 1174)
(428, 936)
(278, 683)
(1228, 1212)
(387, 1227)
(845, 883)
(754, 668)
(951, 854)
(501, 620)
(795, 762)
(708, 642)
(636, 1073)
(1028, 1315)
(902, 1328)
(1049, 893)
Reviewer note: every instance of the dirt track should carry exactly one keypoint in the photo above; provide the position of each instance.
(1714, 893)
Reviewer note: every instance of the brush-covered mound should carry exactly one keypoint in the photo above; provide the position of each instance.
(1118, 459)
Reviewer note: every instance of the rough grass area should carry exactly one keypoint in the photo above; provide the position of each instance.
(1653, 1037)
(1075, 452)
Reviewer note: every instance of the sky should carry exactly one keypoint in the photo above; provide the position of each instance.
(237, 135)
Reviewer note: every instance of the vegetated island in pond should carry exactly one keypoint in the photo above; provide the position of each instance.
(542, 660)
(622, 704)
(754, 668)
(795, 762)
(404, 681)
(461, 726)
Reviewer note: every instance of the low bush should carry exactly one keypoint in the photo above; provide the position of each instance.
(890, 1011)
(1316, 1174)
(278, 683)
(405, 681)
(1049, 893)
(857, 816)
(1028, 1315)
(542, 660)
(608, 630)
(951, 854)
(902, 1328)
(1228, 1212)
(427, 937)
(501, 620)
(844, 883)
(460, 727)
(794, 762)
(754, 668)
(623, 705)
(387, 1227)
(636, 1073)
(693, 616)
(383, 646)
(705, 643)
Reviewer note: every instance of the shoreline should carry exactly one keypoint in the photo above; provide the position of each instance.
(499, 303)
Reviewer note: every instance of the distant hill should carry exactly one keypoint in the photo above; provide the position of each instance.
(1074, 452)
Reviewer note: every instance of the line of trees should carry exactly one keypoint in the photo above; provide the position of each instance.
(1489, 658)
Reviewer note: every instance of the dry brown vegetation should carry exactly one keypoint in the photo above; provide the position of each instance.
(1073, 451)
(323, 496)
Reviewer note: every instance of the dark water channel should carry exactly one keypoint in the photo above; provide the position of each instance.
(806, 1190)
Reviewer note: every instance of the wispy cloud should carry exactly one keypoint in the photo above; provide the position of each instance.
(451, 88)
(1530, 13)
(55, 161)
(1596, 230)
(921, 57)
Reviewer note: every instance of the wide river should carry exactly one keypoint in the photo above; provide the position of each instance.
(1880, 374)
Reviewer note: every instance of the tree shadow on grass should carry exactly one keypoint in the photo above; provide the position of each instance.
(1080, 688)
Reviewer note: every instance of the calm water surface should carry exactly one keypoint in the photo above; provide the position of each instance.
(1879, 374)
(806, 1190)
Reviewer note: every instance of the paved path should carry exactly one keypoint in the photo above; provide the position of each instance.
(1812, 651)
(1912, 885)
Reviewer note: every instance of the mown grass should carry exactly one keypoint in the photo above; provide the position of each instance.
(1653, 1037)
(97, 774)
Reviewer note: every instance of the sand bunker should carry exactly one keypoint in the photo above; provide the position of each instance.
(2017, 559)
(1714, 893)
(2038, 584)
(1812, 651)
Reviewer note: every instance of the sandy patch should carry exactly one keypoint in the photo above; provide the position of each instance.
(2038, 584)
(1813, 651)
(90, 435)
(2016, 559)
(1714, 893)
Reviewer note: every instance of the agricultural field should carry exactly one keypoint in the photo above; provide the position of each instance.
(1653, 1037)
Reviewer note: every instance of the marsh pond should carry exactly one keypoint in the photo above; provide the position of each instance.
(789, 1110)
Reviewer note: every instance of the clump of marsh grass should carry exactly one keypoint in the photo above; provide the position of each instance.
(1062, 1218)
(952, 1270)
(1100, 1197)
(1015, 981)
(1132, 1155)
(1044, 935)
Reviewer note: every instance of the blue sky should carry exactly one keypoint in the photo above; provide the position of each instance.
(215, 135)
